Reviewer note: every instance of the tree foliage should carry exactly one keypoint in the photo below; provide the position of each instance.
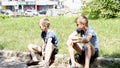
(102, 9)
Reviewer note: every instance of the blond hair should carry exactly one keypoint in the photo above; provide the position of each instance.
(44, 22)
(82, 19)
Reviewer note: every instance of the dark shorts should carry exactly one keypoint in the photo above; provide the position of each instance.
(55, 51)
(81, 58)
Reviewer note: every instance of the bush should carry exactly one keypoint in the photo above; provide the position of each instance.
(102, 9)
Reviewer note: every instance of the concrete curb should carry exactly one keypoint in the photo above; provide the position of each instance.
(14, 59)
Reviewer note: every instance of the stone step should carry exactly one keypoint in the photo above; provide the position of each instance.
(58, 66)
(14, 59)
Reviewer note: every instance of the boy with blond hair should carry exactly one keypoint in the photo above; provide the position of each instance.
(49, 43)
(89, 51)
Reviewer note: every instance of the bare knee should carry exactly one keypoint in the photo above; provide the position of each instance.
(49, 47)
(30, 47)
(87, 46)
(69, 42)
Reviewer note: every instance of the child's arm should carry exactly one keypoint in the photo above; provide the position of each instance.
(73, 35)
(43, 45)
(77, 39)
(82, 40)
(49, 42)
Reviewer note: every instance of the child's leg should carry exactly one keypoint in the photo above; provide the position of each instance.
(90, 51)
(48, 51)
(32, 48)
(71, 51)
(72, 45)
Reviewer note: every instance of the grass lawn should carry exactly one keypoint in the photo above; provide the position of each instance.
(17, 33)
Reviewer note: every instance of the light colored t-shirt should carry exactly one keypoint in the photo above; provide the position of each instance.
(90, 30)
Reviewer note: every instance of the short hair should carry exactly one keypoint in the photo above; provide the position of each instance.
(45, 21)
(82, 19)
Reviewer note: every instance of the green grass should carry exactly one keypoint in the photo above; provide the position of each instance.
(17, 33)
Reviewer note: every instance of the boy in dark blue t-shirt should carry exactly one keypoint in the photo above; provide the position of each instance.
(49, 43)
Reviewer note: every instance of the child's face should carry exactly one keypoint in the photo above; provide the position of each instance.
(80, 26)
(42, 27)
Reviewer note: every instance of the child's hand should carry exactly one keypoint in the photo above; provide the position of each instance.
(43, 48)
(76, 39)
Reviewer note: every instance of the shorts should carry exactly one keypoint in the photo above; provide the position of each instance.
(55, 51)
(81, 58)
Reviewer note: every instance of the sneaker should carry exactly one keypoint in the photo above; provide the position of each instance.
(31, 62)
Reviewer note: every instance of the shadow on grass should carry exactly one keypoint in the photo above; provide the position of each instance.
(108, 55)
(114, 55)
(2, 46)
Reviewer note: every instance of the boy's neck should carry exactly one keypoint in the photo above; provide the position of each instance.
(46, 31)
(85, 29)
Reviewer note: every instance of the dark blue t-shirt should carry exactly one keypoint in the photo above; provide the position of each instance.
(90, 30)
(50, 34)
